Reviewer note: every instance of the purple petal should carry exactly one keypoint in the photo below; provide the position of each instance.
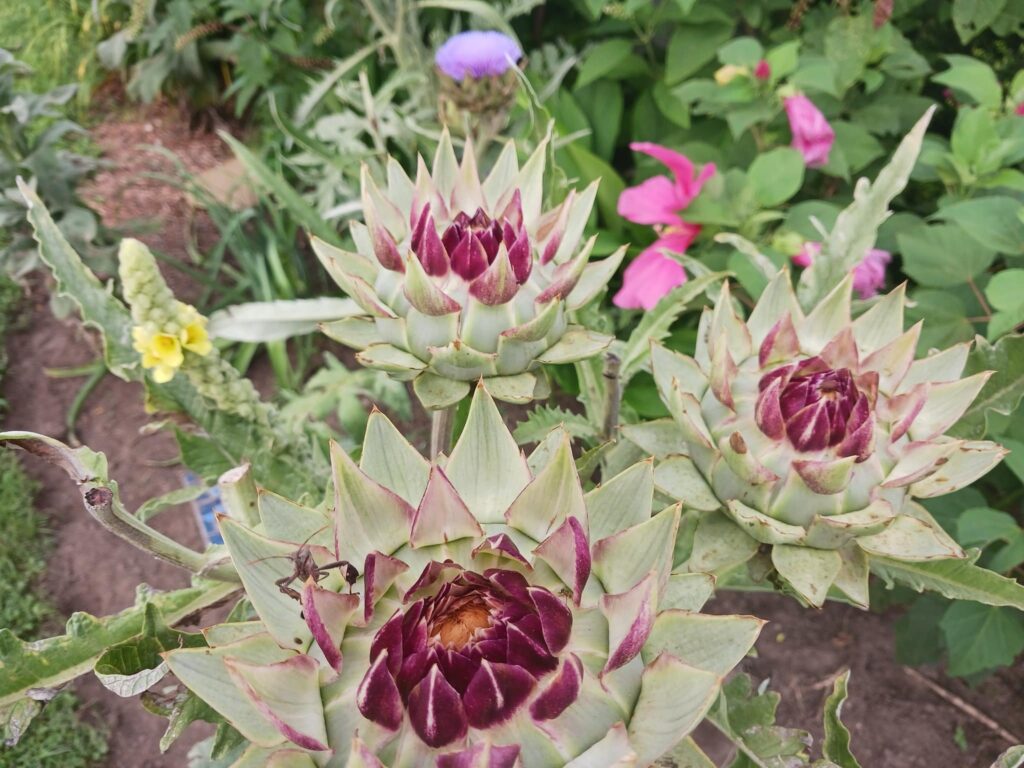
(481, 755)
(326, 615)
(768, 412)
(841, 352)
(631, 616)
(378, 698)
(495, 693)
(386, 250)
(524, 652)
(497, 285)
(520, 257)
(469, 260)
(436, 711)
(430, 249)
(389, 640)
(560, 692)
(555, 619)
(903, 409)
(513, 212)
(477, 54)
(860, 442)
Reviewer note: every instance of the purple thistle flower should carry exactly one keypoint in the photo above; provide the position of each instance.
(477, 54)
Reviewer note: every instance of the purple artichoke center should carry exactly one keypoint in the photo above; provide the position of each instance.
(471, 243)
(815, 407)
(467, 655)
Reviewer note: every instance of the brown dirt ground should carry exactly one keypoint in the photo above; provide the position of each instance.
(896, 721)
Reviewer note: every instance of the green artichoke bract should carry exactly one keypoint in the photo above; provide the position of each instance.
(463, 279)
(812, 435)
(483, 611)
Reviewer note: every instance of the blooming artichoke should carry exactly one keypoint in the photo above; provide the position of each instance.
(483, 611)
(462, 279)
(811, 435)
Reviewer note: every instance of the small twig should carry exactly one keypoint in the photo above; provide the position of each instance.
(980, 297)
(963, 706)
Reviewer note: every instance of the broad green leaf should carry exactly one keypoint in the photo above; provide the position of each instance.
(1001, 393)
(591, 167)
(956, 579)
(96, 303)
(918, 639)
(972, 17)
(980, 526)
(981, 637)
(603, 58)
(943, 255)
(836, 746)
(741, 52)
(995, 222)
(945, 318)
(973, 78)
(775, 176)
(692, 46)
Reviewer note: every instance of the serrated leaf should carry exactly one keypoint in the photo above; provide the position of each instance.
(956, 579)
(96, 303)
(857, 225)
(544, 418)
(836, 746)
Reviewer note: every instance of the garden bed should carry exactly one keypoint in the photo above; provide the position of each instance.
(895, 717)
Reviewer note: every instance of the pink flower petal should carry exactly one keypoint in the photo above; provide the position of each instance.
(687, 186)
(655, 201)
(812, 135)
(648, 278)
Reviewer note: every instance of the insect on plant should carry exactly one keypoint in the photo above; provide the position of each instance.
(306, 567)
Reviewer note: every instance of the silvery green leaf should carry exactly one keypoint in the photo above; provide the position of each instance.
(273, 320)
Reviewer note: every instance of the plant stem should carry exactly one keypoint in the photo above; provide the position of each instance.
(238, 492)
(613, 395)
(441, 423)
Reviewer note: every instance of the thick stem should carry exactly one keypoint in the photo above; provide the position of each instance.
(238, 492)
(613, 395)
(441, 423)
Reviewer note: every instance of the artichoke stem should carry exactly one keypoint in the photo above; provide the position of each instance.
(441, 422)
(613, 395)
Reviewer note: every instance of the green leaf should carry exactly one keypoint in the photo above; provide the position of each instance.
(972, 17)
(741, 52)
(1005, 290)
(995, 222)
(980, 526)
(131, 667)
(545, 418)
(775, 176)
(981, 637)
(918, 639)
(1011, 758)
(956, 579)
(945, 318)
(262, 321)
(942, 255)
(96, 304)
(602, 59)
(836, 746)
(1001, 393)
(281, 191)
(692, 46)
(51, 663)
(590, 168)
(973, 78)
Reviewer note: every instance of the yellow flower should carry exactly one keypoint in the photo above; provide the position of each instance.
(728, 73)
(195, 339)
(160, 351)
(193, 333)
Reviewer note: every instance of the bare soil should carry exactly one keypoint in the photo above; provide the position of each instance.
(897, 722)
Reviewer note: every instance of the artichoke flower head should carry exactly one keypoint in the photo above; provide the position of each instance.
(462, 278)
(811, 436)
(488, 612)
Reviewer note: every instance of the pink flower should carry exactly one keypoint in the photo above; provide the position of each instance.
(763, 70)
(812, 135)
(1019, 110)
(658, 202)
(868, 276)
